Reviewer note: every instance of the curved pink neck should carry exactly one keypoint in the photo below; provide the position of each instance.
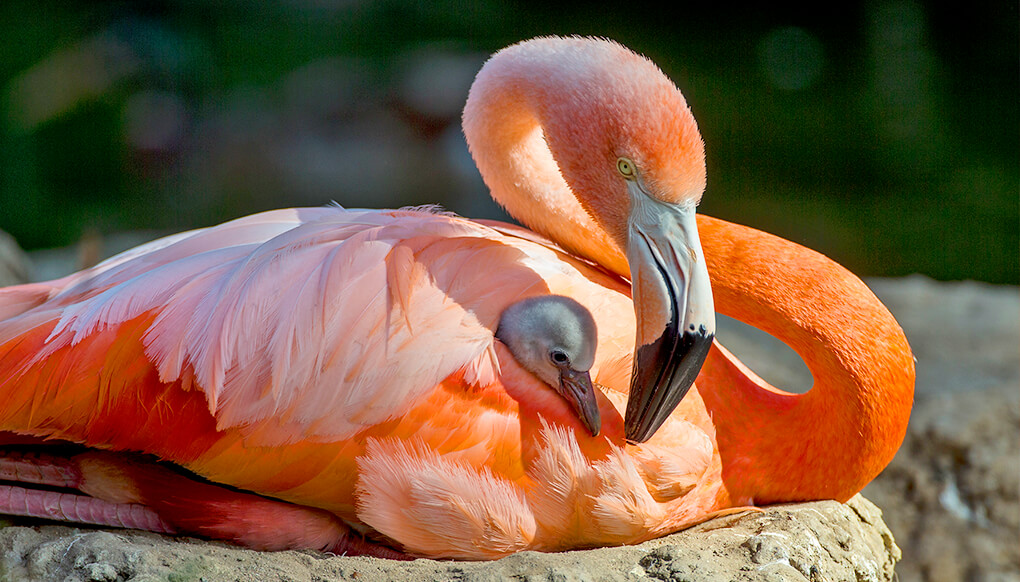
(508, 132)
(831, 441)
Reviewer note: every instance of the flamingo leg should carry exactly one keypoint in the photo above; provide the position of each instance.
(54, 471)
(39, 469)
(76, 508)
(173, 503)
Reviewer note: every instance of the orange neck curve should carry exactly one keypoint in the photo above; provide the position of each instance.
(833, 440)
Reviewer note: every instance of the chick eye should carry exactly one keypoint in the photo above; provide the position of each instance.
(559, 357)
(626, 168)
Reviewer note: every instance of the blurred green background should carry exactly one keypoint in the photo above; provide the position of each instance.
(884, 134)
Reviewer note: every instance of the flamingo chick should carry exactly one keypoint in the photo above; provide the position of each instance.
(554, 338)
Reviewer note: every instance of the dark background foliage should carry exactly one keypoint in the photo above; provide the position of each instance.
(884, 134)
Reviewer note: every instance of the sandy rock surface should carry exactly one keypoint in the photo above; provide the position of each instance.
(812, 541)
(950, 496)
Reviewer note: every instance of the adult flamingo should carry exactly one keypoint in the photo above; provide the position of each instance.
(370, 393)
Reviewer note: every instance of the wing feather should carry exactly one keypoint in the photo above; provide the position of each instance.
(298, 324)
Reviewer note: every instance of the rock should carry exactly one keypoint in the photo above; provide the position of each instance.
(964, 335)
(950, 495)
(817, 541)
(14, 267)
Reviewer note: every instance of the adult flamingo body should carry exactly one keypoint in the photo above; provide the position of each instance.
(346, 362)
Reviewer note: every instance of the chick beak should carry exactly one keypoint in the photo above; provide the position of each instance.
(576, 387)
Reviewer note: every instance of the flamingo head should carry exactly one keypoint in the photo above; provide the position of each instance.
(628, 146)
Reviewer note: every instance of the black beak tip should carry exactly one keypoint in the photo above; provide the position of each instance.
(640, 430)
(663, 373)
(636, 433)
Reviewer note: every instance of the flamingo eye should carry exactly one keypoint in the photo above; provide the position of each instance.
(559, 357)
(626, 168)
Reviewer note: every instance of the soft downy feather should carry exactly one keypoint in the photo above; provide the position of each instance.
(433, 503)
(421, 498)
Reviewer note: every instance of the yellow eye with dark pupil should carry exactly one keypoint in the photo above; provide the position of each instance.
(626, 168)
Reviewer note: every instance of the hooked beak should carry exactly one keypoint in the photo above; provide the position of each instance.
(577, 388)
(673, 306)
